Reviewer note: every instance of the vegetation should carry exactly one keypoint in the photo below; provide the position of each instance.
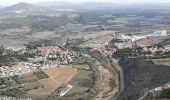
(5, 59)
(34, 45)
(164, 94)
(141, 75)
(18, 93)
(36, 23)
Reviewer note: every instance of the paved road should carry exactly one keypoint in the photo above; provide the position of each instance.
(122, 82)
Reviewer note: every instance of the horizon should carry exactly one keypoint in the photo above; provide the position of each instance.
(9, 2)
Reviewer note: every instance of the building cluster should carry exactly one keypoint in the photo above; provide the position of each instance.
(104, 51)
(129, 41)
(13, 98)
(46, 50)
(46, 57)
(154, 49)
(26, 67)
(157, 89)
(18, 69)
(14, 49)
(55, 53)
(123, 43)
(94, 28)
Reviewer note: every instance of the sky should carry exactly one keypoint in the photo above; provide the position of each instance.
(10, 2)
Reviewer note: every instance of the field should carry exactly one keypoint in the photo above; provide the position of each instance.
(95, 38)
(41, 75)
(57, 77)
(17, 37)
(42, 35)
(151, 41)
(82, 81)
(161, 61)
(29, 77)
(61, 75)
(106, 77)
(82, 67)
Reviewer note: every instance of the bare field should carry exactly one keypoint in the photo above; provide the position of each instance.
(42, 35)
(57, 77)
(77, 90)
(93, 34)
(85, 67)
(15, 31)
(17, 37)
(106, 78)
(151, 41)
(96, 39)
(49, 85)
(61, 75)
(29, 77)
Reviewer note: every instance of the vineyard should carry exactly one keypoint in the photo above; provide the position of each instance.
(41, 75)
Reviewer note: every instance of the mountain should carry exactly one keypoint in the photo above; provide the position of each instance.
(97, 5)
(85, 5)
(55, 4)
(22, 7)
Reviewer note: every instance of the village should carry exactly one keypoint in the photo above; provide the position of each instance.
(47, 57)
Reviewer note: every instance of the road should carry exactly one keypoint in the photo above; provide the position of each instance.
(122, 82)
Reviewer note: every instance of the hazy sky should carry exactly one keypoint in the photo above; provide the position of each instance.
(10, 2)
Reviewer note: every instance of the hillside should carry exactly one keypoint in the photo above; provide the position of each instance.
(143, 75)
(85, 5)
(24, 7)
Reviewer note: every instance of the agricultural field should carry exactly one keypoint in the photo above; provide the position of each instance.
(95, 39)
(56, 78)
(161, 61)
(48, 86)
(152, 41)
(82, 67)
(41, 75)
(61, 75)
(79, 80)
(42, 35)
(83, 82)
(29, 77)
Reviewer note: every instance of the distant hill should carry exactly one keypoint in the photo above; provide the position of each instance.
(86, 5)
(21, 7)
(55, 4)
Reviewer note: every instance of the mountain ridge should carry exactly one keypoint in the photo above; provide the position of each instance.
(22, 6)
